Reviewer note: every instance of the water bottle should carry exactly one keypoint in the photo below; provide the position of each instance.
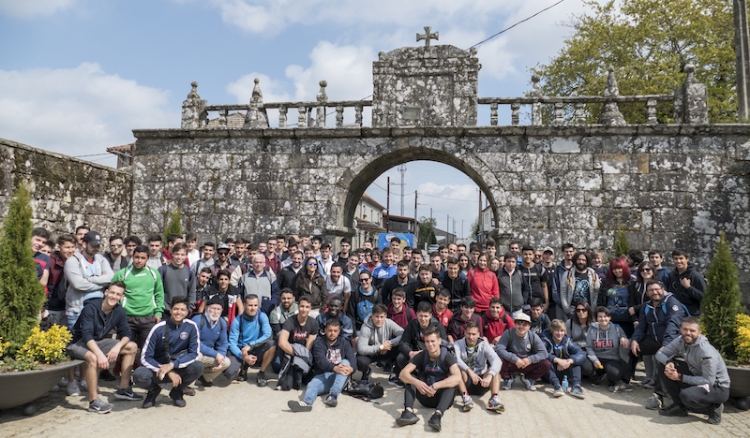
(565, 383)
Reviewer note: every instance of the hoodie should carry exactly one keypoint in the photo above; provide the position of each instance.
(691, 297)
(604, 343)
(94, 324)
(566, 349)
(703, 360)
(413, 340)
(85, 280)
(483, 286)
(458, 288)
(403, 317)
(370, 337)
(512, 347)
(326, 355)
(568, 289)
(514, 292)
(485, 359)
(494, 328)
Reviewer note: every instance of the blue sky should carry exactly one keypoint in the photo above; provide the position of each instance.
(76, 76)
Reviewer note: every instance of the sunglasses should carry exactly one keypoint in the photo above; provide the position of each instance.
(365, 279)
(312, 264)
(646, 270)
(581, 310)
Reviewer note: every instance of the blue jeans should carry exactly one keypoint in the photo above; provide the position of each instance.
(329, 382)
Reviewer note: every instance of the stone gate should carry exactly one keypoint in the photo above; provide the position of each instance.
(299, 167)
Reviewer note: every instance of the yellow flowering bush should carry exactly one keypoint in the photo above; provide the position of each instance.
(3, 347)
(742, 340)
(46, 347)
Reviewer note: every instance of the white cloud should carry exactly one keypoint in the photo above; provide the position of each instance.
(78, 111)
(273, 91)
(33, 8)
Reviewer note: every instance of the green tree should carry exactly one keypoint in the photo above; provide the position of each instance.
(475, 228)
(175, 224)
(622, 246)
(426, 231)
(648, 43)
(721, 300)
(21, 295)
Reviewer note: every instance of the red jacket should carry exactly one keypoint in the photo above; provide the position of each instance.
(445, 317)
(403, 317)
(484, 287)
(494, 328)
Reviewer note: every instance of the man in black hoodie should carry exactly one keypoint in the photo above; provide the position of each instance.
(686, 283)
(457, 285)
(99, 317)
(412, 340)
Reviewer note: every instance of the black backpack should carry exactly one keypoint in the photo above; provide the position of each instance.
(364, 390)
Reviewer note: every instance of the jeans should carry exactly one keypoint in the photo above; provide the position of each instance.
(532, 372)
(555, 377)
(330, 382)
(71, 318)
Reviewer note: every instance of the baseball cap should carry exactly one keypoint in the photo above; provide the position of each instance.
(548, 249)
(520, 316)
(93, 238)
(216, 300)
(222, 245)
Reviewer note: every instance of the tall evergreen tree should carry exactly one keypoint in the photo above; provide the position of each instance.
(21, 294)
(175, 224)
(721, 300)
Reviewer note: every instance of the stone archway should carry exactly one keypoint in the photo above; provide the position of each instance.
(357, 179)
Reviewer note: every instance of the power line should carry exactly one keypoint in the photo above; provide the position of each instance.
(91, 155)
(515, 24)
(447, 199)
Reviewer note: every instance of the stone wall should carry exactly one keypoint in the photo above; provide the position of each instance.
(66, 192)
(664, 185)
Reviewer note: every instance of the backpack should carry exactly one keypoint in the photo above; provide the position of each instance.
(364, 309)
(203, 322)
(363, 390)
(664, 306)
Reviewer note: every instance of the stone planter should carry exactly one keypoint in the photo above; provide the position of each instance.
(740, 382)
(23, 387)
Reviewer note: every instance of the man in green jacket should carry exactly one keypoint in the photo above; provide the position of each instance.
(144, 295)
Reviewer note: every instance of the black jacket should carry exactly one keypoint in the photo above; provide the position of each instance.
(692, 296)
(285, 279)
(392, 284)
(412, 339)
(458, 288)
(94, 324)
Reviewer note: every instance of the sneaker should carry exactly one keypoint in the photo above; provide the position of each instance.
(674, 410)
(393, 380)
(204, 382)
(714, 415)
(613, 388)
(577, 392)
(528, 383)
(73, 388)
(468, 402)
(261, 380)
(368, 372)
(434, 421)
(84, 385)
(150, 400)
(107, 376)
(63, 382)
(655, 402)
(176, 396)
(99, 406)
(242, 376)
(597, 379)
(189, 391)
(388, 367)
(127, 394)
(507, 384)
(331, 400)
(407, 418)
(495, 405)
(627, 387)
(558, 392)
(299, 406)
(648, 383)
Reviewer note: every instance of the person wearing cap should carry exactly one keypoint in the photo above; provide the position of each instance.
(212, 330)
(222, 262)
(88, 274)
(522, 351)
(548, 263)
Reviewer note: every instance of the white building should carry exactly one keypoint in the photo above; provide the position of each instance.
(368, 221)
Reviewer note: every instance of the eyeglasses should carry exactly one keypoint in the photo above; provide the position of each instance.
(581, 310)
(312, 264)
(646, 270)
(365, 279)
(115, 246)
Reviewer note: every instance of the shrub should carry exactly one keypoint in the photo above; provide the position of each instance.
(174, 226)
(721, 300)
(742, 340)
(21, 295)
(621, 243)
(46, 347)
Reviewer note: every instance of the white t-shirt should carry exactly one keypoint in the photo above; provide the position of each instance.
(337, 290)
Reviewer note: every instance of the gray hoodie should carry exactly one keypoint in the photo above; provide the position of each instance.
(485, 355)
(370, 338)
(604, 344)
(705, 363)
(85, 281)
(511, 347)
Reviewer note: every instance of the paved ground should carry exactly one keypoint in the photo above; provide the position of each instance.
(243, 408)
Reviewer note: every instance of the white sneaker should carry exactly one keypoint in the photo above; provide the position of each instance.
(84, 385)
(63, 382)
(73, 388)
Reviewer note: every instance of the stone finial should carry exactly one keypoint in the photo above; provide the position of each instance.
(473, 51)
(381, 55)
(427, 36)
(320, 116)
(611, 115)
(256, 114)
(536, 107)
(691, 100)
(322, 96)
(193, 115)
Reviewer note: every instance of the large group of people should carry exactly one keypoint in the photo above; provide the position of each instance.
(462, 321)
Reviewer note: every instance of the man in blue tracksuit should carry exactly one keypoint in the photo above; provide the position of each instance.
(214, 342)
(658, 325)
(170, 355)
(251, 341)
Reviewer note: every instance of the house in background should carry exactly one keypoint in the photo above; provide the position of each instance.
(368, 220)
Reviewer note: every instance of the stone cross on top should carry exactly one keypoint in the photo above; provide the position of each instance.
(427, 36)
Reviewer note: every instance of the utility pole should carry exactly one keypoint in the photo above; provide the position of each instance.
(463, 236)
(742, 53)
(388, 207)
(447, 227)
(415, 211)
(402, 169)
(479, 220)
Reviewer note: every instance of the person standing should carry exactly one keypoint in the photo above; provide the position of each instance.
(686, 283)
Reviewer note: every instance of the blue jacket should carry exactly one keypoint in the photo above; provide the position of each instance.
(661, 322)
(347, 327)
(249, 331)
(566, 350)
(94, 325)
(213, 339)
(184, 345)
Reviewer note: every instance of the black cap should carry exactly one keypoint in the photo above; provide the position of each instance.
(93, 238)
(215, 300)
